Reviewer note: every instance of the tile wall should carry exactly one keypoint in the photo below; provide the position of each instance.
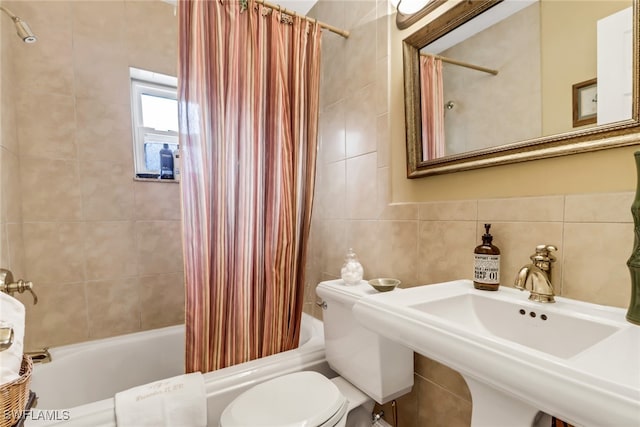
(104, 251)
(421, 243)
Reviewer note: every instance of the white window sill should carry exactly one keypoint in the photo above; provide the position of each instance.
(164, 181)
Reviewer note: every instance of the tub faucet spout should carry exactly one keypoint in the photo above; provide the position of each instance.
(536, 277)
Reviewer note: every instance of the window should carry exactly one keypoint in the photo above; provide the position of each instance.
(154, 111)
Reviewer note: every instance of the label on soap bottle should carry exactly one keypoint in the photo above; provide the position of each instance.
(487, 268)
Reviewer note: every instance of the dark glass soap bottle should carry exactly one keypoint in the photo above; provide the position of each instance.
(166, 162)
(486, 275)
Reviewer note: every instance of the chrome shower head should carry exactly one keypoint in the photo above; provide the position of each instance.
(22, 28)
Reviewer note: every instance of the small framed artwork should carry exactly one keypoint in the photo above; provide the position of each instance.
(585, 102)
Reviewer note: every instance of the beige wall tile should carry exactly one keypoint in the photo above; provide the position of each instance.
(441, 254)
(154, 50)
(15, 251)
(399, 243)
(53, 252)
(5, 259)
(107, 191)
(362, 197)
(333, 82)
(382, 86)
(440, 374)
(50, 190)
(59, 318)
(104, 132)
(517, 241)
(45, 67)
(388, 210)
(611, 207)
(113, 306)
(383, 139)
(10, 194)
(93, 58)
(332, 192)
(162, 300)
(359, 66)
(458, 210)
(53, 137)
(110, 250)
(364, 238)
(332, 126)
(548, 208)
(157, 200)
(438, 407)
(361, 122)
(335, 244)
(8, 128)
(159, 246)
(606, 279)
(99, 21)
(386, 248)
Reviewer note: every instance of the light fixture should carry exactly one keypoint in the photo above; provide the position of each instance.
(410, 11)
(409, 7)
(22, 28)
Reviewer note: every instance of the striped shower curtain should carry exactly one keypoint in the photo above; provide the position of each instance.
(248, 101)
(432, 107)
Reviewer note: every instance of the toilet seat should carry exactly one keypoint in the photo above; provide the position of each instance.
(301, 399)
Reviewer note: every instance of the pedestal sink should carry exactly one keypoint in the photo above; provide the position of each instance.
(574, 360)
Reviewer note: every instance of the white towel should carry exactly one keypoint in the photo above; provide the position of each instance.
(174, 402)
(12, 315)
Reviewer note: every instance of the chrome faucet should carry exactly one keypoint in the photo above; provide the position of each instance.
(536, 277)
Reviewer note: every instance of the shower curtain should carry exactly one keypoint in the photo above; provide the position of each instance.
(248, 101)
(432, 107)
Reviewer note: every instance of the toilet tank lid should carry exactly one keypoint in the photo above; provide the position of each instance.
(300, 399)
(339, 290)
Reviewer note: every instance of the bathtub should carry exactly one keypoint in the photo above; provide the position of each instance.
(77, 387)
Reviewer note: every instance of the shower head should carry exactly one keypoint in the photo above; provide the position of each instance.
(22, 28)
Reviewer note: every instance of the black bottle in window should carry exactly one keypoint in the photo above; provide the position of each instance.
(166, 162)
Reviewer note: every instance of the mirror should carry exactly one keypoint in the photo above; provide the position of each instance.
(533, 107)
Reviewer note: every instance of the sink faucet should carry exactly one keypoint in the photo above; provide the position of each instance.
(536, 277)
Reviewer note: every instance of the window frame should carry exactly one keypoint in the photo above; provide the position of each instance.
(154, 84)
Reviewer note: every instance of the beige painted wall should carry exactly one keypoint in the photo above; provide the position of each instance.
(602, 171)
(103, 251)
(569, 55)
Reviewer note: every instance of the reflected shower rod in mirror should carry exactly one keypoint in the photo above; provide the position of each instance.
(462, 64)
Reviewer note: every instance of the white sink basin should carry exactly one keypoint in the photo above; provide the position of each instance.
(539, 327)
(575, 360)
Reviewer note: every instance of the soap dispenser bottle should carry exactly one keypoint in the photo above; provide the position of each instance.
(486, 275)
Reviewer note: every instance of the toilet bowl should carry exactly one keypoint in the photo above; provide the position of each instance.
(300, 399)
(370, 367)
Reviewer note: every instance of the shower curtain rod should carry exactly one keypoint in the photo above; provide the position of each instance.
(462, 64)
(338, 31)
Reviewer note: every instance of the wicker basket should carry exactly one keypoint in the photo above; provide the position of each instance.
(14, 395)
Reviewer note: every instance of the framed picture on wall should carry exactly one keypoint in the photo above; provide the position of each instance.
(585, 102)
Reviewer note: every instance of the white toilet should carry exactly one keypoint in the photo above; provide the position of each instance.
(370, 367)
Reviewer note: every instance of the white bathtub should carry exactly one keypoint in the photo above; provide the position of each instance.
(77, 387)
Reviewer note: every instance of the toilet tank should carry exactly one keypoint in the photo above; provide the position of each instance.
(376, 365)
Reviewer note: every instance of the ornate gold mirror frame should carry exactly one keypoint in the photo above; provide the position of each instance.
(613, 135)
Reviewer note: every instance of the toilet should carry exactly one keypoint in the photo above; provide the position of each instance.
(370, 367)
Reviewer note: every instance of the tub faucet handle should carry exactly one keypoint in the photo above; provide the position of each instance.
(8, 286)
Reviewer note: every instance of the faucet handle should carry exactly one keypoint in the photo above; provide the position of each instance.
(543, 253)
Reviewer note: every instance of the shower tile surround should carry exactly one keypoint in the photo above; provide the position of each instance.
(103, 251)
(432, 242)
